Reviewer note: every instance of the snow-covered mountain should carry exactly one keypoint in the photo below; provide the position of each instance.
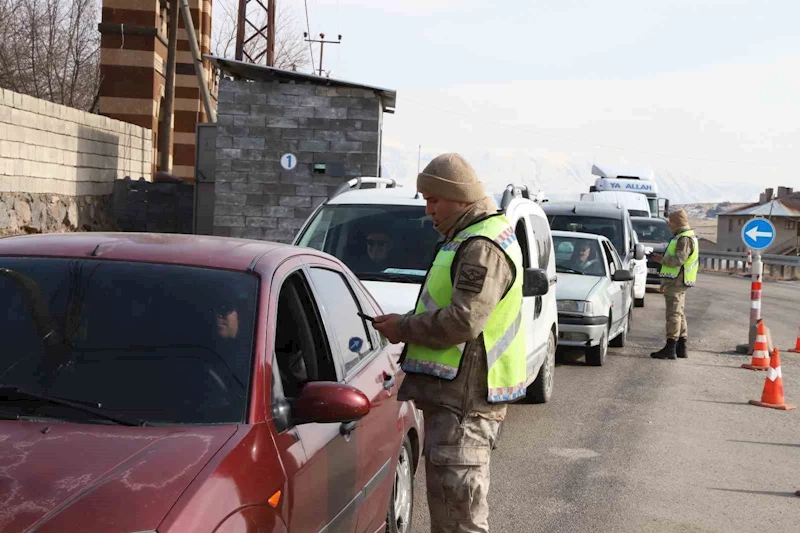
(564, 176)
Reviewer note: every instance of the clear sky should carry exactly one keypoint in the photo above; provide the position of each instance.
(705, 89)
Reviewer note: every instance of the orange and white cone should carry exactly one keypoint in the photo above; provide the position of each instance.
(760, 360)
(772, 396)
(797, 343)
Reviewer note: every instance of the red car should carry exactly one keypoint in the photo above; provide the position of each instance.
(168, 383)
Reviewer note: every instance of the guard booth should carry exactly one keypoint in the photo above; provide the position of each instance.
(283, 143)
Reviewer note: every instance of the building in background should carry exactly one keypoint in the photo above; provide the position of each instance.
(284, 142)
(782, 209)
(132, 67)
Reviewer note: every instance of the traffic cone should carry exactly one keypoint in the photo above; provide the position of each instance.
(760, 360)
(772, 396)
(797, 343)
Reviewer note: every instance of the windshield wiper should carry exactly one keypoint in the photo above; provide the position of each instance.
(86, 407)
(7, 415)
(566, 270)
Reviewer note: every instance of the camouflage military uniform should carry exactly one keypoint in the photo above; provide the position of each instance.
(675, 289)
(460, 424)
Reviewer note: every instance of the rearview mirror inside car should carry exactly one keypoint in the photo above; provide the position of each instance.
(535, 282)
(328, 402)
(622, 275)
(638, 252)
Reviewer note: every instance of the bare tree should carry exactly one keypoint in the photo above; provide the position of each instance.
(50, 49)
(291, 52)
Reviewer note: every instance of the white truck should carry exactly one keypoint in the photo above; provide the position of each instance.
(636, 180)
(636, 204)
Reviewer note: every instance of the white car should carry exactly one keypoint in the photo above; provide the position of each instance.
(595, 308)
(383, 234)
(611, 221)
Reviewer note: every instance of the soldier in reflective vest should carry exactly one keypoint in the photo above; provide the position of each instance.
(678, 273)
(464, 354)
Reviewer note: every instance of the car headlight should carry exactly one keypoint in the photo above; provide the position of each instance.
(575, 306)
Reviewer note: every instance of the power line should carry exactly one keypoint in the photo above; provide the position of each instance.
(594, 144)
(310, 49)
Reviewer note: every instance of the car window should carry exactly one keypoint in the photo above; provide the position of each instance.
(611, 228)
(541, 233)
(522, 237)
(612, 258)
(655, 230)
(163, 343)
(302, 352)
(341, 311)
(577, 255)
(377, 242)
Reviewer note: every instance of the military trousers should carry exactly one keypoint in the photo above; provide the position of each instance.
(675, 296)
(457, 451)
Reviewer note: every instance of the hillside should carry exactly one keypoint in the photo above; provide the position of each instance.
(561, 176)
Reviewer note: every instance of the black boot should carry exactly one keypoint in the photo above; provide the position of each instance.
(680, 348)
(667, 352)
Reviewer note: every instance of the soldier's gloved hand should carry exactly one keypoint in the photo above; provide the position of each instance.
(387, 325)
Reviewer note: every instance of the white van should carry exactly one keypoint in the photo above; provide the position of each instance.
(636, 204)
(403, 243)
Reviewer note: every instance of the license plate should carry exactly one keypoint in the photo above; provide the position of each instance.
(652, 271)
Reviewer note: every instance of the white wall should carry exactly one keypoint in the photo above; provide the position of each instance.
(50, 148)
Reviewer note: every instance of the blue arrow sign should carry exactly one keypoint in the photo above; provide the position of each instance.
(355, 344)
(758, 233)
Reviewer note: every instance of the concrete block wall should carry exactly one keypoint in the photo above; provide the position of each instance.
(47, 148)
(258, 122)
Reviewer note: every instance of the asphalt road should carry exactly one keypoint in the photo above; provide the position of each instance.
(642, 445)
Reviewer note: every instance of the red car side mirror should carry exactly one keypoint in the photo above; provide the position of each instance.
(330, 402)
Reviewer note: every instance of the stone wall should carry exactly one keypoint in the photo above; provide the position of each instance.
(333, 132)
(53, 213)
(56, 161)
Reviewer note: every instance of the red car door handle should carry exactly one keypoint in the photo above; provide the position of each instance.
(388, 381)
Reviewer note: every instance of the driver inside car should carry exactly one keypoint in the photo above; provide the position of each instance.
(584, 261)
(379, 245)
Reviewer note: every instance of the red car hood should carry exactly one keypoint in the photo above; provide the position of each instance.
(114, 479)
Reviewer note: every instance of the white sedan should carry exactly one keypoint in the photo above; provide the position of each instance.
(594, 297)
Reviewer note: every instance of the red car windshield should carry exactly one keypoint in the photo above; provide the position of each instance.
(161, 343)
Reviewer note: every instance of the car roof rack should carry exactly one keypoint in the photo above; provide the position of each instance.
(512, 191)
(357, 183)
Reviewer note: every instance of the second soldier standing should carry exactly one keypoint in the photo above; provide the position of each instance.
(465, 343)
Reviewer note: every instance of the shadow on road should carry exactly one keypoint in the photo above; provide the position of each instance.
(721, 402)
(759, 492)
(766, 443)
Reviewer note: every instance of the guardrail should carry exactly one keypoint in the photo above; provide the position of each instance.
(775, 266)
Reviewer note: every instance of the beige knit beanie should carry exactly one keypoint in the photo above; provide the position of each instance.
(450, 177)
(679, 218)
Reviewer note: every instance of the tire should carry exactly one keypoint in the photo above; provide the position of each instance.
(620, 340)
(541, 389)
(596, 355)
(638, 302)
(401, 503)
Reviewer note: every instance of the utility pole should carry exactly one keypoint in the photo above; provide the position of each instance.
(266, 32)
(322, 43)
(165, 137)
(205, 95)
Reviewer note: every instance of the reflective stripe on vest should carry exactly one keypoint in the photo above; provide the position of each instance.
(690, 267)
(503, 335)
